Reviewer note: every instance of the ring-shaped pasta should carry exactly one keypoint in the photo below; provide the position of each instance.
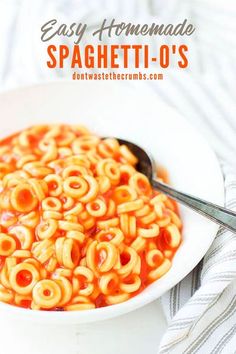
(39, 187)
(62, 272)
(109, 168)
(75, 186)
(64, 152)
(75, 210)
(23, 198)
(105, 224)
(172, 236)
(47, 228)
(67, 202)
(123, 194)
(5, 202)
(6, 295)
(84, 144)
(4, 169)
(165, 221)
(67, 252)
(139, 244)
(107, 256)
(97, 207)
(113, 235)
(141, 184)
(50, 214)
(30, 220)
(74, 171)
(76, 235)
(17, 175)
(8, 219)
(57, 167)
(108, 147)
(85, 278)
(7, 245)
(70, 226)
(43, 250)
(104, 184)
(71, 218)
(153, 230)
(101, 257)
(23, 278)
(45, 144)
(80, 303)
(66, 290)
(145, 210)
(92, 191)
(159, 198)
(130, 284)
(53, 132)
(71, 253)
(111, 209)
(51, 265)
(51, 151)
(47, 294)
(78, 159)
(24, 235)
(42, 271)
(158, 207)
(175, 219)
(108, 283)
(130, 206)
(37, 169)
(160, 271)
(23, 300)
(51, 203)
(128, 258)
(154, 258)
(65, 138)
(22, 254)
(93, 157)
(84, 271)
(14, 181)
(126, 171)
(128, 225)
(127, 155)
(4, 274)
(149, 218)
(54, 183)
(117, 299)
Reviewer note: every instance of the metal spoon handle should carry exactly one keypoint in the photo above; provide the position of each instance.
(222, 216)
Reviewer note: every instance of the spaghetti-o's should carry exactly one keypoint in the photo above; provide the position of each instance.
(80, 228)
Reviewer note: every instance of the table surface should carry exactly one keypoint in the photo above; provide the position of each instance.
(136, 333)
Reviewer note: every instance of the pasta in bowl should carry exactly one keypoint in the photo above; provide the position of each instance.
(80, 227)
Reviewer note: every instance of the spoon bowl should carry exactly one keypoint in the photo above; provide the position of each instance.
(146, 164)
(216, 213)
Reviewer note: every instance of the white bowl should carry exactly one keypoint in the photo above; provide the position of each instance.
(111, 109)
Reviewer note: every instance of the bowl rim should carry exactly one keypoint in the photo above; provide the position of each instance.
(143, 298)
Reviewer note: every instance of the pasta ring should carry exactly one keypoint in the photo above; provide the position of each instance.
(47, 228)
(23, 278)
(7, 245)
(46, 294)
(23, 198)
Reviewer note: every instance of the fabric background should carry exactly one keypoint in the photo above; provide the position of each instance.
(201, 309)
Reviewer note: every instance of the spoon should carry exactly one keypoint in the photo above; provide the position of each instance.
(216, 213)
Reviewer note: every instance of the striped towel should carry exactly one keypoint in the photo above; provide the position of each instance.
(201, 309)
